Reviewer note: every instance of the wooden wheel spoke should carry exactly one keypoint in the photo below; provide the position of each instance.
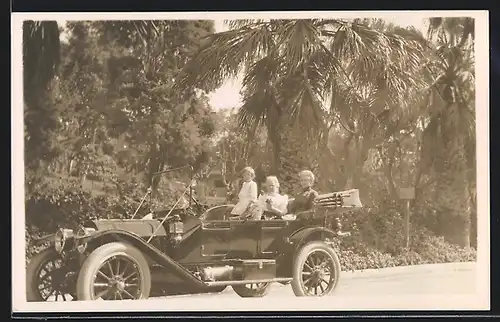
(45, 283)
(101, 284)
(125, 268)
(110, 267)
(120, 295)
(103, 275)
(102, 293)
(117, 266)
(129, 276)
(306, 265)
(127, 292)
(48, 295)
(45, 277)
(314, 259)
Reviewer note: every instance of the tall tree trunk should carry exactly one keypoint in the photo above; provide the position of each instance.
(298, 152)
(452, 193)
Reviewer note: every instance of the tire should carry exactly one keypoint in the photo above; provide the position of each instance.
(247, 290)
(130, 266)
(301, 284)
(39, 263)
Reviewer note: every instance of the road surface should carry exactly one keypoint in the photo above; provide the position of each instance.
(451, 286)
(433, 279)
(420, 287)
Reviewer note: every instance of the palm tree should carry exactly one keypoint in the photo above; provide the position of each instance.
(41, 57)
(292, 68)
(448, 143)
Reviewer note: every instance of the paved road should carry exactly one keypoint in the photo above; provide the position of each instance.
(434, 279)
(422, 287)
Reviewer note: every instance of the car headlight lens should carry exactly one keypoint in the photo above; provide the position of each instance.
(60, 238)
(59, 241)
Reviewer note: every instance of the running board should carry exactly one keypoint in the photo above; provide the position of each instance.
(269, 280)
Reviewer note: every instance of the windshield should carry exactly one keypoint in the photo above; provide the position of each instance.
(171, 189)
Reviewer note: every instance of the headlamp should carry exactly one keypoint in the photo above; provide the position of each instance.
(60, 238)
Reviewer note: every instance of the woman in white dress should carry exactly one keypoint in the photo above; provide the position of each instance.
(270, 204)
(248, 192)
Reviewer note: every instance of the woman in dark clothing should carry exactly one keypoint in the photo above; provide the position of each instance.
(305, 200)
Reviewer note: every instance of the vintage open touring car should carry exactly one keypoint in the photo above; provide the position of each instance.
(189, 252)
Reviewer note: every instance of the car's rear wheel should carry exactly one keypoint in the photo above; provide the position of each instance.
(316, 270)
(48, 279)
(252, 290)
(114, 271)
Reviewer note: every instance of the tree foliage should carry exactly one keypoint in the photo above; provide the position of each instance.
(362, 103)
(117, 119)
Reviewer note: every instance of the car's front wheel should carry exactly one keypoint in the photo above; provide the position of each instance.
(252, 290)
(114, 271)
(49, 279)
(316, 270)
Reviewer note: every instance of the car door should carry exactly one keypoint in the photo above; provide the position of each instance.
(271, 236)
(215, 238)
(245, 236)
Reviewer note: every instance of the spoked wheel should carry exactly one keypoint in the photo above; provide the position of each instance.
(316, 270)
(252, 290)
(48, 279)
(114, 271)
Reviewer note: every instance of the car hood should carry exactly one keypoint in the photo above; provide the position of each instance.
(140, 227)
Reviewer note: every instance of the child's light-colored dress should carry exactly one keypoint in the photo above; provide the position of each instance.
(248, 193)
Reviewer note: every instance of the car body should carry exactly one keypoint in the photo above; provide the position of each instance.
(186, 252)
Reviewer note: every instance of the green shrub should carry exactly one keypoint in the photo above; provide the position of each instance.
(431, 250)
(434, 249)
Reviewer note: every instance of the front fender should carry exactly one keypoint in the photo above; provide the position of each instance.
(152, 252)
(42, 240)
(118, 235)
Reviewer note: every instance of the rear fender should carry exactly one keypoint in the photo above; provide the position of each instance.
(151, 252)
(304, 235)
(298, 239)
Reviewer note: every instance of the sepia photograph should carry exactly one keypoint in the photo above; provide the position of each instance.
(250, 161)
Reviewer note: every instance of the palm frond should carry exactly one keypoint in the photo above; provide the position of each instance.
(301, 94)
(241, 23)
(298, 40)
(259, 95)
(225, 54)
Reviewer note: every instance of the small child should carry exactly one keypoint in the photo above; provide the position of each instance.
(248, 192)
